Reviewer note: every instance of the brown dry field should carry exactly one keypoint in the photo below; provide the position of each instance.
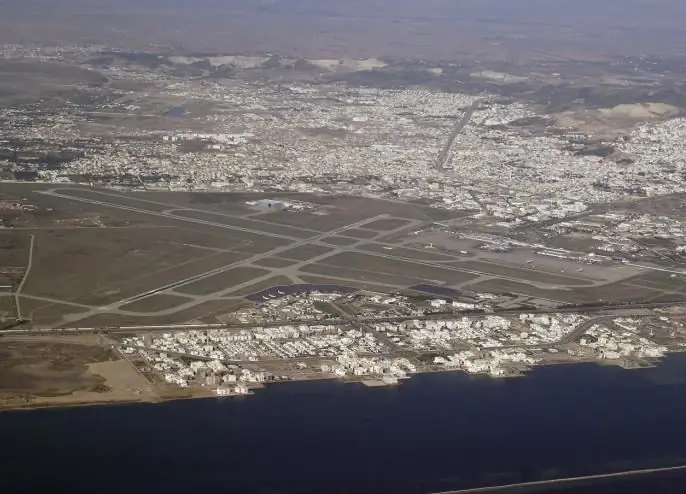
(14, 248)
(7, 308)
(99, 266)
(43, 313)
(43, 371)
(222, 281)
(47, 369)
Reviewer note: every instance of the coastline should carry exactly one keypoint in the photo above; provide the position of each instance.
(367, 381)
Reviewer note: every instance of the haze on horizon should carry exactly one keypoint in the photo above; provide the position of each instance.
(437, 29)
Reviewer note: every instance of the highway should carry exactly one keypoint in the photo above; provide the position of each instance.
(445, 153)
(599, 314)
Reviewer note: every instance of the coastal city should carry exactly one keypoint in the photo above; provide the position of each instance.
(343, 246)
(505, 161)
(216, 223)
(382, 353)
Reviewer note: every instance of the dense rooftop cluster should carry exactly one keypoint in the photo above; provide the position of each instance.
(609, 343)
(509, 162)
(487, 332)
(345, 350)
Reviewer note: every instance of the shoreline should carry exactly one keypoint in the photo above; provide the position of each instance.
(366, 381)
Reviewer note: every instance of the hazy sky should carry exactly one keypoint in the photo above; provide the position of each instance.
(417, 28)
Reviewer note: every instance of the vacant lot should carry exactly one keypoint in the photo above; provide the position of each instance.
(99, 266)
(7, 312)
(14, 248)
(222, 281)
(60, 370)
(47, 369)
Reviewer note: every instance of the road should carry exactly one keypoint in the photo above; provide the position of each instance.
(601, 313)
(445, 153)
(17, 293)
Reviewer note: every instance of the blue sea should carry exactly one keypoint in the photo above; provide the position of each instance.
(433, 433)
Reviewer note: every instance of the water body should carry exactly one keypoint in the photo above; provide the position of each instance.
(176, 111)
(433, 433)
(436, 290)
